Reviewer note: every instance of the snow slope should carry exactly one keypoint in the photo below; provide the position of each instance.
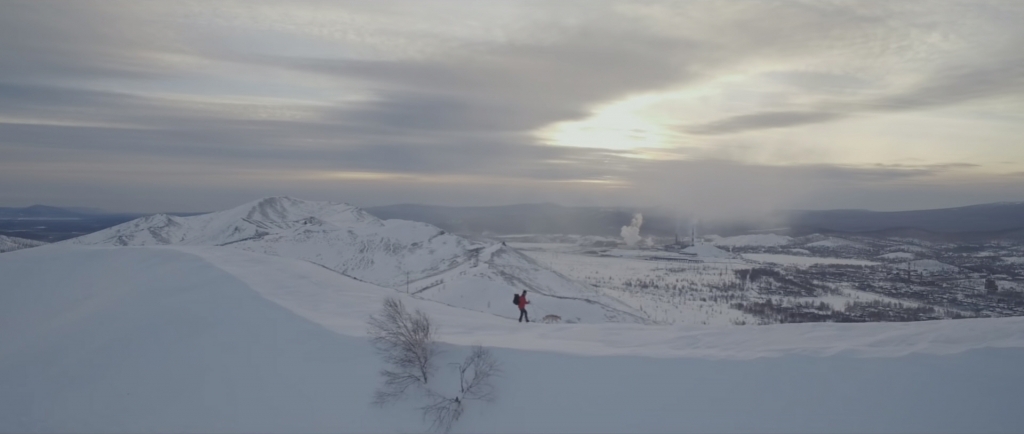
(10, 244)
(415, 256)
(202, 339)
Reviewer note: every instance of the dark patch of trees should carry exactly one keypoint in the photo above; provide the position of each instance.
(775, 311)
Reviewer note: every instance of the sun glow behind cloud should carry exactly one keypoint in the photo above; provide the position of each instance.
(627, 124)
(526, 98)
(666, 126)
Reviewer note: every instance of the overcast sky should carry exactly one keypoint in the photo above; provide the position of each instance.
(730, 107)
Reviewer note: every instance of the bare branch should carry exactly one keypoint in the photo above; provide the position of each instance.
(442, 412)
(406, 342)
(476, 373)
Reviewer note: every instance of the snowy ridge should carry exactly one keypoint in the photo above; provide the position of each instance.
(311, 292)
(10, 244)
(498, 267)
(245, 222)
(408, 256)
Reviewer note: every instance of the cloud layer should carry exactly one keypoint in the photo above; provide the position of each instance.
(728, 107)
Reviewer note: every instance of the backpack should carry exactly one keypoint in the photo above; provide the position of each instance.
(515, 299)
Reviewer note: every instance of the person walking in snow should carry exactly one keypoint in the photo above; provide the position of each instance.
(522, 307)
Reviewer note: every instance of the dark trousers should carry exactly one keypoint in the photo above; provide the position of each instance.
(522, 313)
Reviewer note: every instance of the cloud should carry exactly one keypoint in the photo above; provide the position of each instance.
(974, 60)
(763, 120)
(250, 97)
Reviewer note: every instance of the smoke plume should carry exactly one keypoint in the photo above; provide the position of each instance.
(631, 233)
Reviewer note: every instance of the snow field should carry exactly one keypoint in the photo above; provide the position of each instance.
(897, 256)
(681, 292)
(201, 339)
(666, 292)
(832, 242)
(803, 260)
(765, 240)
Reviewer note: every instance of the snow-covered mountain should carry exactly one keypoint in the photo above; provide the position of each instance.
(10, 244)
(409, 256)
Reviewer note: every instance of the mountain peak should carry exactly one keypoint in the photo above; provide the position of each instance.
(284, 211)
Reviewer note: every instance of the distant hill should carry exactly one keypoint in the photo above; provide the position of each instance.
(970, 223)
(975, 222)
(51, 224)
(514, 219)
(549, 218)
(38, 212)
(977, 219)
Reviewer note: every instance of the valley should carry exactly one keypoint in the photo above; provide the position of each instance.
(773, 279)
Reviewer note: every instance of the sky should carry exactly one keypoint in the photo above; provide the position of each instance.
(724, 107)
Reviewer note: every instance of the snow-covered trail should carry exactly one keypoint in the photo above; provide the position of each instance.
(342, 304)
(205, 339)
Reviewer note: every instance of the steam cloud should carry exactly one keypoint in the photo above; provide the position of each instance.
(631, 233)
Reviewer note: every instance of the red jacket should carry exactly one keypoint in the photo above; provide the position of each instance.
(522, 302)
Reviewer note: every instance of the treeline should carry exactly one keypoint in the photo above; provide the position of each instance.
(773, 282)
(777, 312)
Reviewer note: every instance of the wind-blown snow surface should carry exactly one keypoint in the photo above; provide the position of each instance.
(202, 339)
(10, 244)
(419, 257)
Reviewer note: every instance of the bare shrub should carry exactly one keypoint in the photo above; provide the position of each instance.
(442, 412)
(475, 375)
(406, 342)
